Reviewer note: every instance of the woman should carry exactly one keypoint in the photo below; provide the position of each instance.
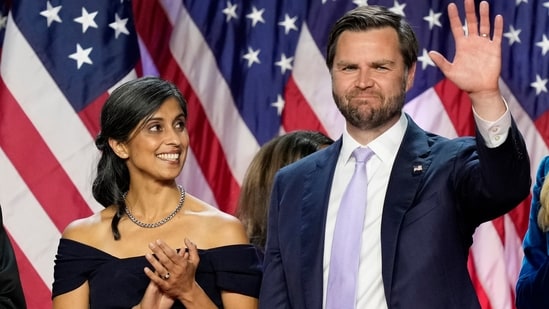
(256, 188)
(141, 251)
(533, 282)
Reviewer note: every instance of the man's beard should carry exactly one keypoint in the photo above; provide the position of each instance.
(375, 116)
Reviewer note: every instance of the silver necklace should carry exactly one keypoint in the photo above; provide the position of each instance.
(161, 222)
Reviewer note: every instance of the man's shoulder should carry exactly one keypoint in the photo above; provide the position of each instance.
(314, 160)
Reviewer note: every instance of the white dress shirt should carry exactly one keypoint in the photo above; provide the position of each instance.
(370, 291)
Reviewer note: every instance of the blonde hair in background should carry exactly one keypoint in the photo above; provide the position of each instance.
(543, 213)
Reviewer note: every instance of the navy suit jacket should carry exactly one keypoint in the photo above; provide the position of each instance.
(429, 216)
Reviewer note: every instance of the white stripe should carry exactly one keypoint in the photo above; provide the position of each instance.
(512, 251)
(49, 111)
(237, 141)
(490, 264)
(428, 112)
(27, 222)
(313, 80)
(130, 76)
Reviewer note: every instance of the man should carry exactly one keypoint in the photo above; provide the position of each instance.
(425, 194)
(11, 293)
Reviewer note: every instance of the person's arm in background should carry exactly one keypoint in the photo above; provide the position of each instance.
(11, 292)
(533, 282)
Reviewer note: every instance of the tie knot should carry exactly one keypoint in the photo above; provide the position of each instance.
(362, 154)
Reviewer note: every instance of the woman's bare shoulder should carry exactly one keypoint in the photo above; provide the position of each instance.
(223, 228)
(86, 229)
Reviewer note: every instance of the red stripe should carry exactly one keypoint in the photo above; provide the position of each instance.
(481, 293)
(90, 115)
(519, 216)
(139, 68)
(36, 164)
(37, 293)
(458, 107)
(297, 113)
(499, 226)
(150, 21)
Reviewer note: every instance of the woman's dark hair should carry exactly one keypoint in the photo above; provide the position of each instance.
(369, 17)
(129, 106)
(255, 192)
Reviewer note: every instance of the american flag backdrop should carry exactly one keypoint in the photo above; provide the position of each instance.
(250, 70)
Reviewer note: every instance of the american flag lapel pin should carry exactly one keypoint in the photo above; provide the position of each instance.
(417, 169)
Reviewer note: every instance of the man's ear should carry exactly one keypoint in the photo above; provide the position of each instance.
(119, 148)
(410, 77)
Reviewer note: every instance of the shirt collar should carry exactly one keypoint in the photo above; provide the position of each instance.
(384, 146)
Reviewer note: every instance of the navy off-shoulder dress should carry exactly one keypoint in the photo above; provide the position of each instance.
(121, 282)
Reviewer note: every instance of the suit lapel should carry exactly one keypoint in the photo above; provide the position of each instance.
(318, 183)
(411, 163)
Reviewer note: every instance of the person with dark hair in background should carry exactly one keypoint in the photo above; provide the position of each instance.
(11, 291)
(255, 192)
(154, 245)
(384, 217)
(533, 281)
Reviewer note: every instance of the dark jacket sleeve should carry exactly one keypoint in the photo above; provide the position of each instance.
(11, 292)
(533, 282)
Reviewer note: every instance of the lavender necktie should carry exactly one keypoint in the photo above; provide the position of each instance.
(344, 259)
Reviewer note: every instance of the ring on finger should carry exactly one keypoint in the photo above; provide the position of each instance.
(166, 276)
(484, 35)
